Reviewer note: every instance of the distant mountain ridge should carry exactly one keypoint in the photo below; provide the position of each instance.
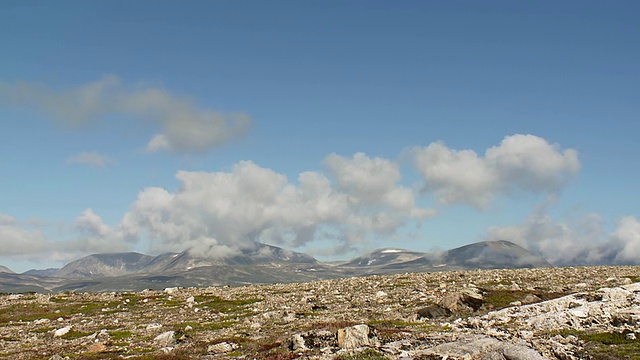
(255, 265)
(481, 255)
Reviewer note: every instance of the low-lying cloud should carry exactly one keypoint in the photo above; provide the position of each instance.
(579, 243)
(183, 127)
(520, 163)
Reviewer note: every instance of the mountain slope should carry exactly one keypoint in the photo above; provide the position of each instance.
(260, 264)
(100, 265)
(4, 269)
(481, 255)
(493, 255)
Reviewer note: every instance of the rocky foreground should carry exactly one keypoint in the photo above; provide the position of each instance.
(546, 313)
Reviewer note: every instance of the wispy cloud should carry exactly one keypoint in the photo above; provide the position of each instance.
(91, 158)
(183, 127)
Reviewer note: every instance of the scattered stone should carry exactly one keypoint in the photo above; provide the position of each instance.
(153, 327)
(171, 290)
(96, 348)
(297, 343)
(305, 317)
(221, 348)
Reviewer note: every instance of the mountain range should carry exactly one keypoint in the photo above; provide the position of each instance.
(259, 264)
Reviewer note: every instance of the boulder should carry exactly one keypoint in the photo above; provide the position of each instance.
(165, 339)
(466, 301)
(433, 312)
(354, 337)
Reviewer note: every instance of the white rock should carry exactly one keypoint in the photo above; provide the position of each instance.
(62, 331)
(165, 339)
(297, 343)
(221, 348)
(41, 321)
(380, 294)
(171, 290)
(153, 326)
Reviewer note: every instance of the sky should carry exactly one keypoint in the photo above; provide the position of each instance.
(327, 127)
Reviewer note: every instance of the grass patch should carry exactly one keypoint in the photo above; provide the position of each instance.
(367, 354)
(120, 334)
(502, 298)
(42, 330)
(225, 306)
(74, 334)
(211, 326)
(607, 345)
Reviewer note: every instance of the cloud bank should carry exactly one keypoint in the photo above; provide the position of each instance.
(351, 203)
(218, 213)
(525, 163)
(184, 128)
(581, 243)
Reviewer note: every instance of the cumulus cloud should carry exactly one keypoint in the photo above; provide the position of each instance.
(91, 158)
(218, 213)
(184, 128)
(520, 163)
(583, 242)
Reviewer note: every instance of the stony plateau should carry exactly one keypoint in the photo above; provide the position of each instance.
(536, 313)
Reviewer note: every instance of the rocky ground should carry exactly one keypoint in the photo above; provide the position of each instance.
(544, 313)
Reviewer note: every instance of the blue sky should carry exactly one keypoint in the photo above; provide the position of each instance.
(426, 125)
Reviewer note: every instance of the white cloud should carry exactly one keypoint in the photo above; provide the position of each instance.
(626, 240)
(214, 213)
(184, 128)
(520, 163)
(21, 241)
(91, 158)
(584, 242)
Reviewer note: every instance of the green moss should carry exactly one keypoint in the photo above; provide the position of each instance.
(502, 298)
(608, 338)
(386, 323)
(210, 326)
(607, 345)
(42, 330)
(120, 334)
(74, 334)
(225, 306)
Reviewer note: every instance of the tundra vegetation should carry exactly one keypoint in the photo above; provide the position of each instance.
(553, 313)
